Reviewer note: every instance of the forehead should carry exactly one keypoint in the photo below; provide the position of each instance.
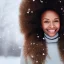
(50, 13)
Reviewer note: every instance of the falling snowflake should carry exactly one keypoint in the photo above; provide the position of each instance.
(33, 0)
(60, 1)
(41, 1)
(43, 54)
(36, 61)
(61, 8)
(37, 36)
(32, 56)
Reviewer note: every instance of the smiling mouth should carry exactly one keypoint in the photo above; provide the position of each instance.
(51, 31)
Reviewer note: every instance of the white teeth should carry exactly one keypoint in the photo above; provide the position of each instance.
(51, 31)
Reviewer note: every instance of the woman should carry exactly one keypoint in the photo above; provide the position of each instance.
(42, 25)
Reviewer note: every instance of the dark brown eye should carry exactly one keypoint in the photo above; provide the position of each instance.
(56, 21)
(46, 21)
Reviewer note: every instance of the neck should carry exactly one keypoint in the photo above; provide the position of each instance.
(51, 39)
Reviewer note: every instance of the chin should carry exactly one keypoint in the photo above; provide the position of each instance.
(51, 35)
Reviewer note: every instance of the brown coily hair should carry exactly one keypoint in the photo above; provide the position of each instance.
(30, 22)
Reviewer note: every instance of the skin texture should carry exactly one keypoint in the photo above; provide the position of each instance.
(50, 22)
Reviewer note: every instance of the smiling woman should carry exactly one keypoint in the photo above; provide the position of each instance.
(50, 22)
(42, 24)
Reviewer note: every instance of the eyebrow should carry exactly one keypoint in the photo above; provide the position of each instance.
(56, 18)
(48, 19)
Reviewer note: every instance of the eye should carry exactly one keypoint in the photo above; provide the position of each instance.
(56, 21)
(46, 21)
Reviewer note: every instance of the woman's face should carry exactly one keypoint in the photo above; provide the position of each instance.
(50, 22)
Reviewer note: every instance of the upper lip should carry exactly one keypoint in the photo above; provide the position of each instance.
(51, 29)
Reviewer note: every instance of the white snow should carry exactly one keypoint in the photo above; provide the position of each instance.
(9, 60)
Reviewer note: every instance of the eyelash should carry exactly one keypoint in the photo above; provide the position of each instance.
(56, 21)
(48, 21)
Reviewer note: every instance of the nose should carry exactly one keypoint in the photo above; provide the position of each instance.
(51, 25)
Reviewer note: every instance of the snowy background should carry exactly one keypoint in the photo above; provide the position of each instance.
(10, 37)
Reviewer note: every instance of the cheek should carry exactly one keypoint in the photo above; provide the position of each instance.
(58, 26)
(44, 26)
